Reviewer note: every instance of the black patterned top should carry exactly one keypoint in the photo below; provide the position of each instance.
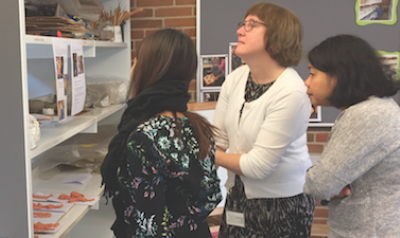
(165, 189)
(254, 91)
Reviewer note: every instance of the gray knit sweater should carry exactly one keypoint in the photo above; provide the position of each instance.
(364, 152)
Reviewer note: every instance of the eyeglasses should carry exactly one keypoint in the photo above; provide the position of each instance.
(249, 25)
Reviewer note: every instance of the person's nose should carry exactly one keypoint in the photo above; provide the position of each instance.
(241, 31)
(307, 82)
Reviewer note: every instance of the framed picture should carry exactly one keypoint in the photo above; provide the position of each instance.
(234, 60)
(213, 71)
(376, 11)
(209, 96)
(390, 63)
(316, 115)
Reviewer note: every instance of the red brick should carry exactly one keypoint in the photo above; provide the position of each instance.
(185, 2)
(194, 10)
(133, 55)
(176, 22)
(321, 212)
(149, 32)
(192, 85)
(310, 137)
(322, 137)
(154, 3)
(173, 12)
(191, 32)
(145, 13)
(137, 34)
(146, 24)
(315, 148)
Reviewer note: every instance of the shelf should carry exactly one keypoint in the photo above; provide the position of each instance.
(52, 183)
(101, 113)
(47, 40)
(40, 47)
(68, 221)
(53, 134)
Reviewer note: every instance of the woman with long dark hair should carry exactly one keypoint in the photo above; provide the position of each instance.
(160, 169)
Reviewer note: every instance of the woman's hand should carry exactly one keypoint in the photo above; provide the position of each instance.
(344, 193)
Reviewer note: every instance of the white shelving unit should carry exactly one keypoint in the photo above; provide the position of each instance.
(27, 71)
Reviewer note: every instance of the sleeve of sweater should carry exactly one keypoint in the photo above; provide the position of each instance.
(286, 121)
(221, 140)
(359, 140)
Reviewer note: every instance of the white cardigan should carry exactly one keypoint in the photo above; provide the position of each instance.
(271, 136)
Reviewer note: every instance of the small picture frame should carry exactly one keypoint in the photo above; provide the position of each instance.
(209, 96)
(234, 60)
(390, 63)
(376, 11)
(316, 114)
(213, 71)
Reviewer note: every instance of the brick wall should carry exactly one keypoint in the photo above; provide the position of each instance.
(157, 14)
(317, 137)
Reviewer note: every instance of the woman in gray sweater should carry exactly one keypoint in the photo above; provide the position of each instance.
(363, 152)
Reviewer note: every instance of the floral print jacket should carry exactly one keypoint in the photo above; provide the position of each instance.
(166, 191)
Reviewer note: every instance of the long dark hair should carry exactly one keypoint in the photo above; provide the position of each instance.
(357, 68)
(169, 54)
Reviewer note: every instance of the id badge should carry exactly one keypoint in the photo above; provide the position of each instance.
(235, 217)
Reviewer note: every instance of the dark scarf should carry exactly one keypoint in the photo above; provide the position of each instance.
(171, 95)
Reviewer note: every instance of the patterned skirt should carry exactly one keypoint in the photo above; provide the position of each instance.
(268, 217)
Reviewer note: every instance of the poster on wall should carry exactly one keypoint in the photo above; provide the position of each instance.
(376, 11)
(234, 60)
(60, 53)
(316, 114)
(213, 71)
(209, 96)
(390, 63)
(78, 81)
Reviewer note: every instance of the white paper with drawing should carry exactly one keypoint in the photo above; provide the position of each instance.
(77, 77)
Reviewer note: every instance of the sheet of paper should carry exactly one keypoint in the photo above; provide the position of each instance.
(60, 53)
(53, 231)
(77, 77)
(82, 178)
(88, 203)
(64, 209)
(54, 218)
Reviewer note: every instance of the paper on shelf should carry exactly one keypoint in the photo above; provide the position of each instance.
(66, 207)
(54, 218)
(52, 231)
(81, 178)
(89, 203)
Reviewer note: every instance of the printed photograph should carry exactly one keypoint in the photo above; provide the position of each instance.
(376, 11)
(211, 96)
(61, 110)
(213, 71)
(80, 65)
(60, 67)
(234, 60)
(75, 64)
(390, 63)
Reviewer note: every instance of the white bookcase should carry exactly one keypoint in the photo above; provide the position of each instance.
(21, 56)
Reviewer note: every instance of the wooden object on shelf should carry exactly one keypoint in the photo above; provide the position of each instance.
(198, 106)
